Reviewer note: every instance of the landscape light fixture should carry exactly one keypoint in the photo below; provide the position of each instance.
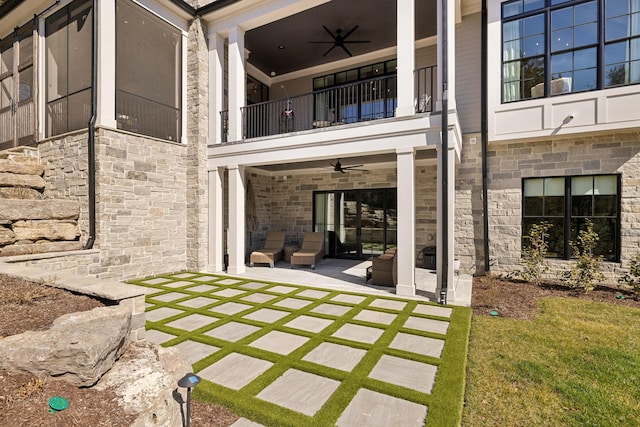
(188, 381)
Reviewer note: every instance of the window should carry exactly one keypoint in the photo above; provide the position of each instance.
(148, 73)
(552, 47)
(68, 63)
(566, 203)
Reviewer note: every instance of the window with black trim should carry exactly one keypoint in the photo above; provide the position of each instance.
(554, 47)
(567, 203)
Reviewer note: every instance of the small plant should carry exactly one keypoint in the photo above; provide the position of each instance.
(534, 254)
(632, 277)
(587, 270)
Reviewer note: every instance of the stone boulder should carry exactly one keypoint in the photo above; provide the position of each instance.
(79, 347)
(7, 236)
(145, 378)
(46, 229)
(19, 168)
(40, 248)
(19, 180)
(16, 210)
(19, 193)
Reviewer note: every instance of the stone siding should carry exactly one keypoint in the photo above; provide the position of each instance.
(509, 163)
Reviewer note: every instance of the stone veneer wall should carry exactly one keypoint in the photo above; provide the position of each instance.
(583, 155)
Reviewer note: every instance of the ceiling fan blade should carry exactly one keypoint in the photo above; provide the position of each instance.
(329, 31)
(352, 167)
(323, 42)
(358, 41)
(349, 33)
(330, 49)
(345, 49)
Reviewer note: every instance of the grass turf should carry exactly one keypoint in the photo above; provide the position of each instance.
(576, 364)
(444, 401)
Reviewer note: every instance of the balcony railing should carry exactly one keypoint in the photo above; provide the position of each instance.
(350, 103)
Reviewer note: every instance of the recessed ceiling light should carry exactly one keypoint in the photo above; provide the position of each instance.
(281, 47)
(273, 73)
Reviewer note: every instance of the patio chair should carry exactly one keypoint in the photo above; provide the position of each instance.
(383, 269)
(272, 250)
(310, 252)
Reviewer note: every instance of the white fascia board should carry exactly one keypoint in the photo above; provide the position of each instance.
(22, 14)
(167, 11)
(469, 7)
(252, 14)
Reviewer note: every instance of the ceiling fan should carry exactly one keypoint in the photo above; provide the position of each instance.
(344, 169)
(339, 40)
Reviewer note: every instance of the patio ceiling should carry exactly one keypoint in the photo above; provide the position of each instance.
(376, 20)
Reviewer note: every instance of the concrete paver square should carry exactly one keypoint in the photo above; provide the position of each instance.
(232, 331)
(202, 288)
(406, 373)
(433, 310)
(281, 289)
(335, 356)
(313, 293)
(183, 275)
(204, 279)
(157, 337)
(161, 313)
(428, 325)
(177, 284)
(294, 303)
(253, 285)
(389, 304)
(228, 293)
(243, 422)
(350, 299)
(235, 370)
(372, 409)
(309, 323)
(359, 333)
(192, 322)
(192, 351)
(279, 342)
(375, 317)
(156, 281)
(198, 302)
(228, 281)
(417, 344)
(258, 297)
(266, 315)
(230, 308)
(148, 305)
(300, 391)
(331, 309)
(171, 296)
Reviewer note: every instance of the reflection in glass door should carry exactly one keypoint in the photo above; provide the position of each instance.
(356, 223)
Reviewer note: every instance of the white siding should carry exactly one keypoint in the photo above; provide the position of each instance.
(468, 66)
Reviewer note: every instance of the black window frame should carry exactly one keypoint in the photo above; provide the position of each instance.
(568, 217)
(546, 8)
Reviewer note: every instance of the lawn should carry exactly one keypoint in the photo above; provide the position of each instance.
(577, 363)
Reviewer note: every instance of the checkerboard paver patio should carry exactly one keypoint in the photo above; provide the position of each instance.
(249, 325)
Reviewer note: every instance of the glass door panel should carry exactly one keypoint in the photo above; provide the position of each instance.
(372, 220)
(348, 221)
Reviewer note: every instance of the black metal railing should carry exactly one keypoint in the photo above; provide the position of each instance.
(367, 100)
(147, 117)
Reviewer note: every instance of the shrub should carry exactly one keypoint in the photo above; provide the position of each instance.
(632, 277)
(534, 254)
(587, 270)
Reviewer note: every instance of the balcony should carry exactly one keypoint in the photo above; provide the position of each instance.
(362, 101)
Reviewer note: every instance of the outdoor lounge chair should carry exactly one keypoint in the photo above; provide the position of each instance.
(383, 269)
(272, 250)
(311, 250)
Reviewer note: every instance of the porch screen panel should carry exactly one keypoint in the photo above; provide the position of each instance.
(6, 93)
(148, 73)
(68, 65)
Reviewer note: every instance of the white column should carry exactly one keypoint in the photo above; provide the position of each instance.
(451, 54)
(106, 72)
(236, 238)
(406, 35)
(216, 86)
(237, 83)
(406, 222)
(451, 218)
(216, 221)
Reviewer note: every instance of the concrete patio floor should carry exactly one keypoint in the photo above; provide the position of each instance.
(224, 325)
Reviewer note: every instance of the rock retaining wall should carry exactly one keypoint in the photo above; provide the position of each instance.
(29, 222)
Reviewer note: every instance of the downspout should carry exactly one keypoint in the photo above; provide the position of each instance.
(445, 159)
(91, 149)
(484, 133)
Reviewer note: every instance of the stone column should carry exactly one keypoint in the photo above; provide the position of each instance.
(216, 86)
(237, 83)
(406, 257)
(216, 221)
(236, 237)
(451, 221)
(405, 29)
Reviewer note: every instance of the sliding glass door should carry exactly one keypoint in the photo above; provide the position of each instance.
(356, 223)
